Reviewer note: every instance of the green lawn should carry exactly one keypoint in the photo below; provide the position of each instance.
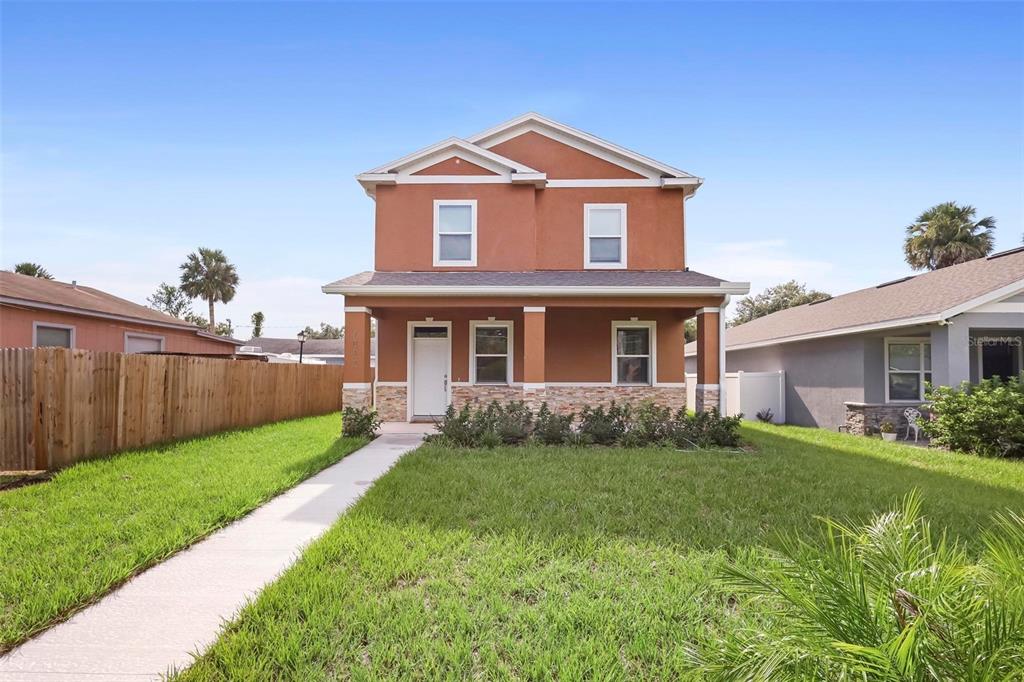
(65, 542)
(540, 563)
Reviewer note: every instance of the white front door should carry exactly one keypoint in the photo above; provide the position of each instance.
(430, 353)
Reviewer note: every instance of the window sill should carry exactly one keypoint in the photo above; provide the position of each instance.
(604, 266)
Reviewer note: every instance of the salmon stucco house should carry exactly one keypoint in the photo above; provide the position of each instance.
(534, 262)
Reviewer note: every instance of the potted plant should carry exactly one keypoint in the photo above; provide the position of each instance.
(888, 430)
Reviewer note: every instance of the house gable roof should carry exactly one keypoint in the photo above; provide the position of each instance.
(574, 137)
(35, 292)
(559, 160)
(627, 167)
(921, 299)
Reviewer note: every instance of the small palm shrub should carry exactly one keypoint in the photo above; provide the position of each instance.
(888, 600)
(359, 422)
(705, 430)
(550, 428)
(986, 419)
(604, 426)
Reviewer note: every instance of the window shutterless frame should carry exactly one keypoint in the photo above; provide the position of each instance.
(509, 349)
(440, 233)
(51, 325)
(652, 351)
(924, 374)
(591, 232)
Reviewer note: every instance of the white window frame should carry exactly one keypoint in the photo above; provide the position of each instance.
(507, 324)
(587, 265)
(141, 335)
(51, 325)
(921, 371)
(652, 328)
(979, 342)
(471, 263)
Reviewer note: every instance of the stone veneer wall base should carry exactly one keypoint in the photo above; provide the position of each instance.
(864, 418)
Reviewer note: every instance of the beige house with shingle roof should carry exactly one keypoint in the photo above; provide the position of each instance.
(864, 357)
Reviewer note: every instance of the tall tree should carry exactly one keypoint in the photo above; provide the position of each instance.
(326, 331)
(257, 320)
(773, 299)
(948, 234)
(208, 275)
(171, 300)
(32, 270)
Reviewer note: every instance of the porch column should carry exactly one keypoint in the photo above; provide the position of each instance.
(951, 348)
(534, 373)
(709, 389)
(358, 386)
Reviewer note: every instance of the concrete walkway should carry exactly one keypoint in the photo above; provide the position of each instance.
(155, 621)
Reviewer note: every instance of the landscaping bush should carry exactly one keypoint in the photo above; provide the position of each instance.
(884, 601)
(602, 426)
(513, 423)
(985, 419)
(705, 430)
(359, 422)
(651, 424)
(550, 428)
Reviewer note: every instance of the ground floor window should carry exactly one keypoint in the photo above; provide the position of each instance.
(633, 352)
(999, 356)
(908, 367)
(143, 343)
(491, 350)
(53, 335)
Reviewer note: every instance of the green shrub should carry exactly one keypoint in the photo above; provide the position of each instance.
(603, 426)
(359, 422)
(986, 419)
(550, 428)
(457, 427)
(888, 600)
(513, 422)
(651, 424)
(705, 430)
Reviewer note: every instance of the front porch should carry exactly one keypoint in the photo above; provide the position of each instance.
(568, 352)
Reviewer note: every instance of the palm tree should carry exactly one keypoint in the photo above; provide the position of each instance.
(32, 270)
(208, 275)
(947, 234)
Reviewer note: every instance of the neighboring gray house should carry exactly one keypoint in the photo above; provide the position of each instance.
(326, 351)
(862, 358)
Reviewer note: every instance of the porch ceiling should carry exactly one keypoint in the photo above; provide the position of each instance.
(518, 302)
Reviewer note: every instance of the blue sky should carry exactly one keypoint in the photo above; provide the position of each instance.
(133, 133)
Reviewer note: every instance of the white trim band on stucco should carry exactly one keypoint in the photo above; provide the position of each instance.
(357, 385)
(356, 309)
(725, 288)
(534, 309)
(396, 384)
(534, 387)
(709, 309)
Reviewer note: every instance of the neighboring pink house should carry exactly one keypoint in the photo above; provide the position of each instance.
(39, 312)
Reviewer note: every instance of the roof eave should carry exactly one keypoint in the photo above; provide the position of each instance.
(724, 288)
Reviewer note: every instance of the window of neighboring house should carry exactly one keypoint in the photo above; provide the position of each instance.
(58, 335)
(908, 367)
(633, 352)
(604, 236)
(455, 232)
(491, 348)
(999, 356)
(143, 343)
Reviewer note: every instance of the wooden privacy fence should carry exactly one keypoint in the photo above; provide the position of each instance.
(60, 405)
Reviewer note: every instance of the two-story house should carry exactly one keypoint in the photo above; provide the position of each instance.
(532, 261)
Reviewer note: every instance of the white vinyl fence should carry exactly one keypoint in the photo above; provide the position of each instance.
(749, 393)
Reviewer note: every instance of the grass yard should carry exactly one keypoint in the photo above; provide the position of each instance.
(66, 542)
(539, 563)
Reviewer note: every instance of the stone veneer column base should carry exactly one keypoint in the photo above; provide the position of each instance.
(392, 403)
(357, 396)
(864, 418)
(709, 397)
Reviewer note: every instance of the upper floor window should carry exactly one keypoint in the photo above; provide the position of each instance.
(53, 335)
(604, 236)
(455, 232)
(908, 366)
